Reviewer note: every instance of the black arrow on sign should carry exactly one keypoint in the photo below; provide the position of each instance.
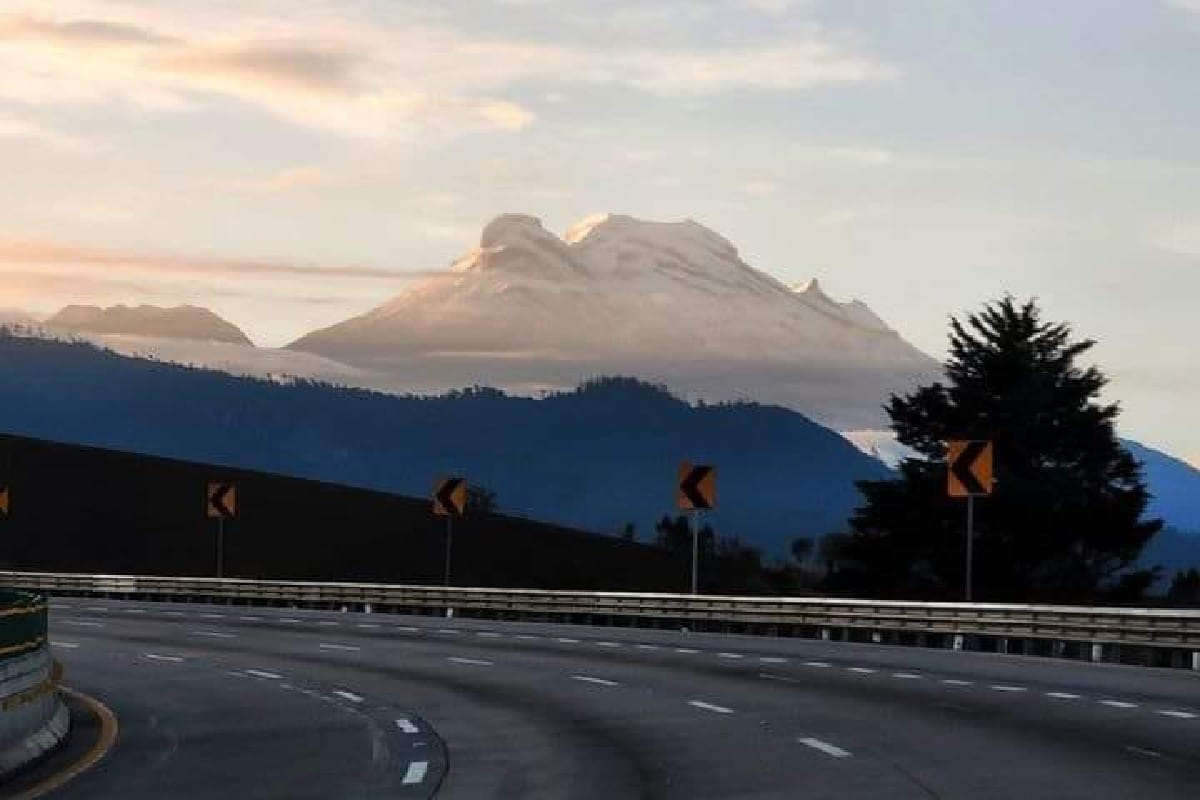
(445, 495)
(217, 500)
(963, 467)
(690, 486)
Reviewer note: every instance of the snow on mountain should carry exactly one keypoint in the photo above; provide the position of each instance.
(880, 444)
(180, 322)
(672, 302)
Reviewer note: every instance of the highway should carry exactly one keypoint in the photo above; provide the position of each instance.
(231, 701)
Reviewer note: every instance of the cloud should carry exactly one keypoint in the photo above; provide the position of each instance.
(21, 256)
(15, 128)
(392, 76)
(1181, 237)
(1192, 6)
(758, 187)
(771, 6)
(285, 180)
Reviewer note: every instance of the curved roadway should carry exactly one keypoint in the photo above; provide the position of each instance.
(218, 701)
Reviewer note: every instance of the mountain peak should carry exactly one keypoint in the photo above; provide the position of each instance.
(180, 322)
(514, 229)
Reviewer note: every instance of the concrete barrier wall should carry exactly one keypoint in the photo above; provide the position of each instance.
(33, 718)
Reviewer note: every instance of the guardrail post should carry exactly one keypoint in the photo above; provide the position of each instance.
(1002, 646)
(824, 634)
(1097, 651)
(956, 642)
(1196, 661)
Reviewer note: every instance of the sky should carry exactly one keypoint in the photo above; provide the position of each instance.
(290, 163)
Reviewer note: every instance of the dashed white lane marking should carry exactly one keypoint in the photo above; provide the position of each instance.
(288, 619)
(60, 606)
(96, 608)
(415, 772)
(686, 650)
(1062, 695)
(175, 613)
(215, 634)
(608, 644)
(406, 726)
(448, 630)
(490, 635)
(213, 616)
(134, 610)
(249, 618)
(527, 636)
(367, 625)
(1141, 751)
(565, 640)
(729, 655)
(1118, 704)
(957, 682)
(590, 679)
(262, 673)
(408, 629)
(158, 657)
(817, 664)
(1178, 714)
(349, 648)
(861, 670)
(1000, 687)
(710, 707)
(825, 747)
(781, 678)
(83, 623)
(773, 660)
(906, 676)
(351, 696)
(475, 662)
(647, 647)
(67, 645)
(329, 623)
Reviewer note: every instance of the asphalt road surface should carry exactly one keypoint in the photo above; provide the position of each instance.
(235, 702)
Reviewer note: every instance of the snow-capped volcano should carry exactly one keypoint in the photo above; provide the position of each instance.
(669, 301)
(180, 322)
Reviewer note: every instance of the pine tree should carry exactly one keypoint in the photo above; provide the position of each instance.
(1065, 521)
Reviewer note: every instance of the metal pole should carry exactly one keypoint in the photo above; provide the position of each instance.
(694, 516)
(220, 546)
(449, 542)
(970, 544)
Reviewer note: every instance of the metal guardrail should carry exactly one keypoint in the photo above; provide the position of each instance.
(1049, 628)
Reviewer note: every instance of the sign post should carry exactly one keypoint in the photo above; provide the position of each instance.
(221, 504)
(449, 501)
(696, 491)
(969, 475)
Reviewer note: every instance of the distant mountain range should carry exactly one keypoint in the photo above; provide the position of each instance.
(181, 322)
(526, 311)
(596, 458)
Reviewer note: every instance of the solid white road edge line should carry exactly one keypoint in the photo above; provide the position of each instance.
(477, 662)
(351, 696)
(262, 673)
(157, 657)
